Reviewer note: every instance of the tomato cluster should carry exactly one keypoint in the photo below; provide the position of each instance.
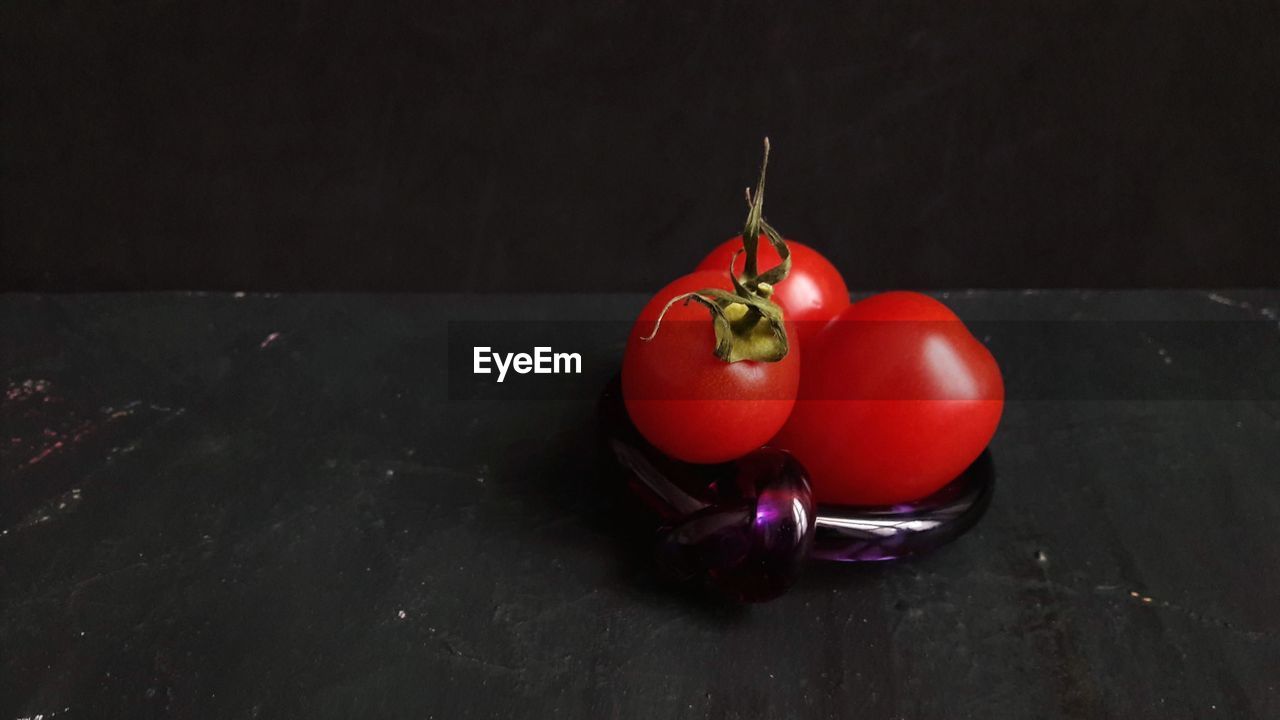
(883, 401)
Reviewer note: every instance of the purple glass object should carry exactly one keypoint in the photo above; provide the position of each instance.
(753, 536)
(869, 534)
(745, 527)
(718, 519)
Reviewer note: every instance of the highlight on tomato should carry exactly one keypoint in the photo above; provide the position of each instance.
(897, 398)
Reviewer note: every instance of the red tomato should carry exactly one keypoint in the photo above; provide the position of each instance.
(690, 404)
(811, 295)
(897, 399)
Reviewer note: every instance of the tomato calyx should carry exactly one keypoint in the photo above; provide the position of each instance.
(748, 325)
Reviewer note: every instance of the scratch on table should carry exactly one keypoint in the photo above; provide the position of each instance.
(42, 716)
(61, 428)
(88, 582)
(1042, 581)
(1271, 314)
(485, 663)
(553, 610)
(1268, 313)
(26, 389)
(1144, 600)
(66, 502)
(1224, 300)
(1160, 351)
(268, 340)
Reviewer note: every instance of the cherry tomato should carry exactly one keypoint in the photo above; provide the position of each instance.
(811, 295)
(690, 404)
(897, 399)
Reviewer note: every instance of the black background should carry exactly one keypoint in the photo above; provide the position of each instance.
(500, 146)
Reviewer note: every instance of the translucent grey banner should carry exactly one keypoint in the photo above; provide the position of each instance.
(1040, 360)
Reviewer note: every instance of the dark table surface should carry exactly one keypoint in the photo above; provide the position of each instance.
(264, 506)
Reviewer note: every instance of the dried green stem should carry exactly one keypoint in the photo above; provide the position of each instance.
(748, 324)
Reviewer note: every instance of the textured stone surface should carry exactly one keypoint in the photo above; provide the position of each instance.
(272, 505)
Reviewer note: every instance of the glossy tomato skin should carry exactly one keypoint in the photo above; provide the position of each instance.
(813, 293)
(687, 402)
(897, 399)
